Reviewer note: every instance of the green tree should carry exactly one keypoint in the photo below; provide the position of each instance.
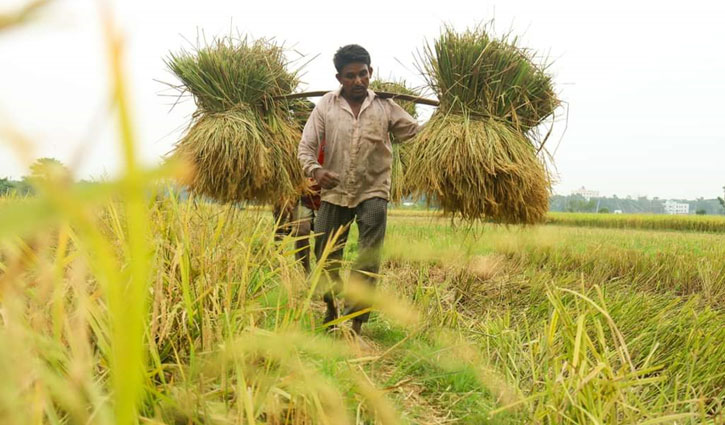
(6, 185)
(578, 203)
(48, 169)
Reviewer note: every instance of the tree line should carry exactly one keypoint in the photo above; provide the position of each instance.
(630, 205)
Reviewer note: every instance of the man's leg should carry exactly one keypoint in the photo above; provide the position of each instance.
(371, 222)
(303, 228)
(330, 219)
(283, 220)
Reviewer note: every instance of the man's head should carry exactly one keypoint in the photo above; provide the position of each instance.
(353, 70)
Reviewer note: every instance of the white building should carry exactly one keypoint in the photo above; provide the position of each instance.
(674, 207)
(587, 194)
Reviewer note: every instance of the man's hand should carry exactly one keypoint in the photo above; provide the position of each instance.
(326, 179)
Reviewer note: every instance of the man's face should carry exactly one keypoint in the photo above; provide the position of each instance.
(355, 78)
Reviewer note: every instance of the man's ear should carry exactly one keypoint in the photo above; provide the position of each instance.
(370, 71)
(339, 78)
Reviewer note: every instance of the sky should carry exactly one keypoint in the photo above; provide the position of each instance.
(642, 80)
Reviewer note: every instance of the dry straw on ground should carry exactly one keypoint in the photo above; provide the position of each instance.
(475, 156)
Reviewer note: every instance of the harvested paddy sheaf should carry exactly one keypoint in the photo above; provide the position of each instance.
(476, 156)
(242, 142)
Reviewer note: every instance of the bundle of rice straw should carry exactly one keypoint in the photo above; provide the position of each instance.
(398, 189)
(242, 143)
(476, 156)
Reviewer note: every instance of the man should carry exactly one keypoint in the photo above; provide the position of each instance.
(355, 180)
(296, 219)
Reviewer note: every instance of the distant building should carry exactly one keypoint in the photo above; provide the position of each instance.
(674, 207)
(587, 194)
(618, 211)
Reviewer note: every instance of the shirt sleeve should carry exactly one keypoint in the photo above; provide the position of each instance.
(402, 125)
(312, 135)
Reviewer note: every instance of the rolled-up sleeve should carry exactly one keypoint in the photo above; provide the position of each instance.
(402, 125)
(312, 136)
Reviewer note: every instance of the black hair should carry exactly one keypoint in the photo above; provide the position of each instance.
(350, 54)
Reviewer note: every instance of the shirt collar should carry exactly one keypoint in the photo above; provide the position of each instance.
(371, 94)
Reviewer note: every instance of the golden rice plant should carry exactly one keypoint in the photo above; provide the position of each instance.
(476, 167)
(475, 157)
(242, 140)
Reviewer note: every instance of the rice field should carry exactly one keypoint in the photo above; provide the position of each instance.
(121, 303)
(686, 223)
(693, 223)
(482, 324)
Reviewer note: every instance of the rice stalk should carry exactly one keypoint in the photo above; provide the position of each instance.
(474, 73)
(476, 156)
(234, 159)
(242, 142)
(474, 168)
(229, 72)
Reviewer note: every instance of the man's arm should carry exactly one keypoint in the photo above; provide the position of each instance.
(402, 125)
(308, 149)
(312, 135)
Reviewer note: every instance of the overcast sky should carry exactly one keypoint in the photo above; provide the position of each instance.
(644, 80)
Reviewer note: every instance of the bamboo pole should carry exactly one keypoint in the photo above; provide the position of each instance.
(384, 95)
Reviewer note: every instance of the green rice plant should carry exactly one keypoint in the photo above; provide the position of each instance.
(301, 110)
(617, 357)
(230, 72)
(477, 74)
